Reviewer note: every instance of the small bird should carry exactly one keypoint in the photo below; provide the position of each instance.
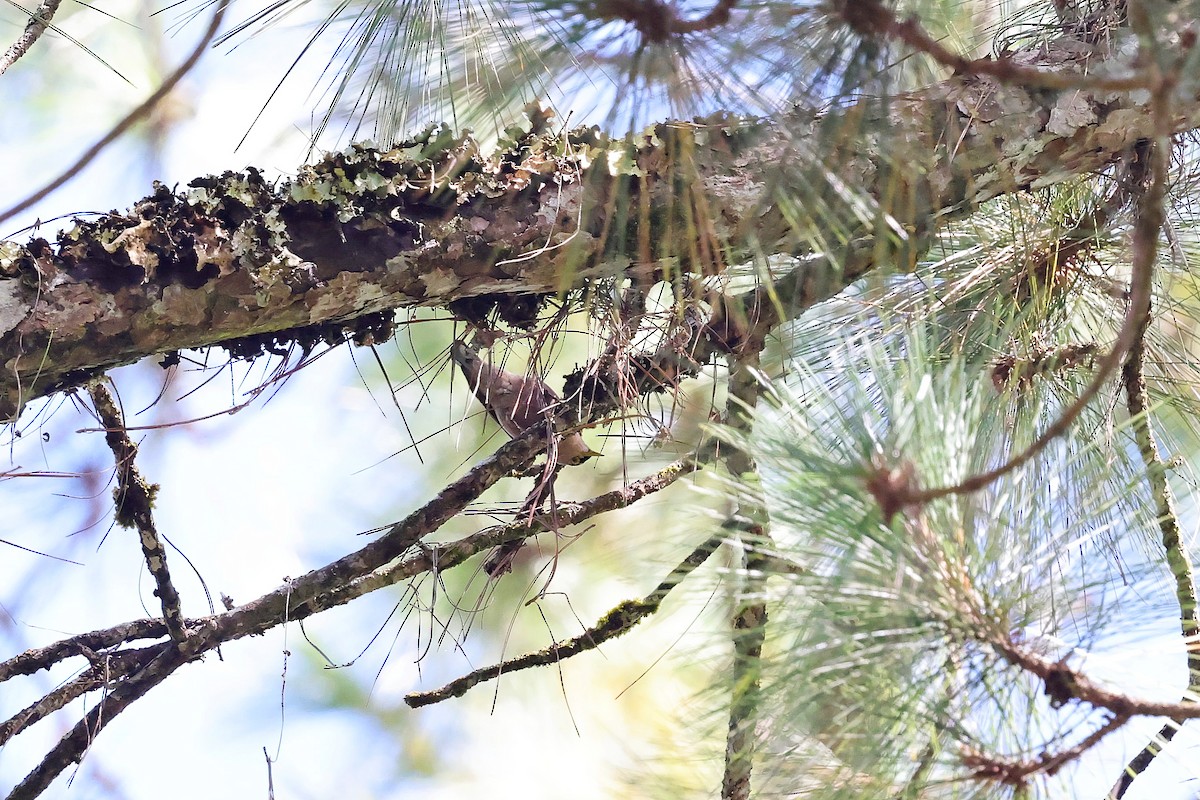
(517, 403)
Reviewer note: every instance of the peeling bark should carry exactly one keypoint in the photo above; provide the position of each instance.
(433, 222)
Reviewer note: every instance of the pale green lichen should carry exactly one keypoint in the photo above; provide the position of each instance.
(9, 253)
(623, 161)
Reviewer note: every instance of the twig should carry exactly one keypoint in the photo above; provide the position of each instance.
(1013, 772)
(39, 21)
(873, 18)
(616, 622)
(127, 122)
(1178, 559)
(441, 557)
(134, 500)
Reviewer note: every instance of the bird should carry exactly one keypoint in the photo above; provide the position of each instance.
(517, 403)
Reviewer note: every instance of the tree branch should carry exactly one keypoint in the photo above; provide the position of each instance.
(1151, 215)
(134, 499)
(873, 18)
(1178, 559)
(616, 622)
(1017, 772)
(89, 681)
(88, 645)
(750, 605)
(133, 673)
(39, 21)
(75, 743)
(432, 222)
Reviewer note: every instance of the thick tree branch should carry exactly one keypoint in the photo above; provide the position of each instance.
(432, 222)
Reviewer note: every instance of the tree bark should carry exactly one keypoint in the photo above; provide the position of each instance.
(256, 265)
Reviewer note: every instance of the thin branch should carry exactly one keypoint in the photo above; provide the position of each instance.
(619, 620)
(872, 18)
(658, 21)
(39, 21)
(88, 645)
(1064, 683)
(441, 557)
(362, 571)
(128, 121)
(132, 677)
(91, 679)
(126, 666)
(1014, 772)
(750, 615)
(134, 499)
(1178, 559)
(72, 747)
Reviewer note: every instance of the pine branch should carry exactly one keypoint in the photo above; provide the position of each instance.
(874, 19)
(1151, 215)
(1178, 559)
(132, 673)
(616, 622)
(433, 222)
(750, 614)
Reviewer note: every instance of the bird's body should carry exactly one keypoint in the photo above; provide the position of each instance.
(518, 403)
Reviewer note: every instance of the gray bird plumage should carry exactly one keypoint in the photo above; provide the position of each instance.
(516, 402)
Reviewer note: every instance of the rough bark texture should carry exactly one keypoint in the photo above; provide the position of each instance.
(235, 259)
